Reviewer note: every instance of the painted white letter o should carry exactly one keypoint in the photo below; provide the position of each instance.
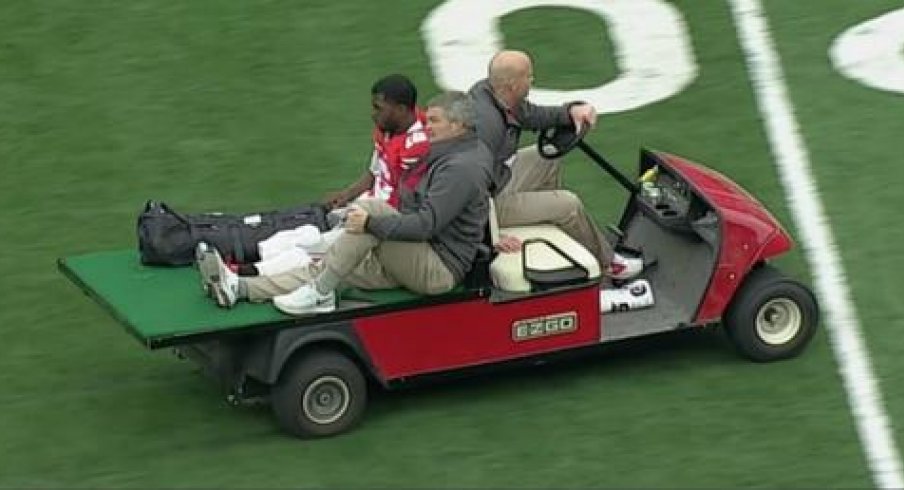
(653, 51)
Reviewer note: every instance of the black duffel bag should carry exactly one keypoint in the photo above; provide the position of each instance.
(166, 237)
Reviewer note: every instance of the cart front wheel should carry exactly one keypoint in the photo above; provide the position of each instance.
(321, 394)
(771, 316)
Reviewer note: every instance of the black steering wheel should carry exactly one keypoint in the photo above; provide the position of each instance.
(559, 140)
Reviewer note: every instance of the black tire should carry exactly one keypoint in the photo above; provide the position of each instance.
(771, 317)
(320, 394)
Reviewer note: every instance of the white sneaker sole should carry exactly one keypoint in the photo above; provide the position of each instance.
(206, 269)
(293, 310)
(221, 295)
(211, 277)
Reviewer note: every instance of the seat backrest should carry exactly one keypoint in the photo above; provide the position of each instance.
(494, 224)
(479, 275)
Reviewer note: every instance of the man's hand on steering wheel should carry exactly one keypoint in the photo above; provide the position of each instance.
(556, 141)
(582, 115)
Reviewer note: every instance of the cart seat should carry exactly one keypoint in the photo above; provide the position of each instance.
(553, 258)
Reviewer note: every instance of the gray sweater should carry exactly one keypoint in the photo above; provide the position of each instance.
(500, 128)
(450, 206)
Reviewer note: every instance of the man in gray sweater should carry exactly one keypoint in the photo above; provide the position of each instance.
(528, 188)
(427, 246)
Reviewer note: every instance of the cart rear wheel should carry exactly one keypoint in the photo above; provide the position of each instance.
(771, 316)
(321, 394)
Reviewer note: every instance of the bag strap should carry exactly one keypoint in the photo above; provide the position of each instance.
(151, 204)
(235, 231)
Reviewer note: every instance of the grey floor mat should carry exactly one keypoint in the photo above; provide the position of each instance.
(665, 315)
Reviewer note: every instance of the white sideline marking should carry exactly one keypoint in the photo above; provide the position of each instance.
(839, 315)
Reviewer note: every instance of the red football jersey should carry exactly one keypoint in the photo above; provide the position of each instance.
(398, 160)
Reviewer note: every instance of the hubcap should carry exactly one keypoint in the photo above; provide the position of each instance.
(325, 400)
(778, 321)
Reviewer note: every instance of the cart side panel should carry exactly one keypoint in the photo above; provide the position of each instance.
(445, 337)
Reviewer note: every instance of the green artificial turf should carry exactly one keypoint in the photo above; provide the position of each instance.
(853, 133)
(238, 106)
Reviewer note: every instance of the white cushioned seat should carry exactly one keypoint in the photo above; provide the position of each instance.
(507, 270)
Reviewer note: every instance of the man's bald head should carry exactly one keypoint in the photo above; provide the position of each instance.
(511, 74)
(507, 66)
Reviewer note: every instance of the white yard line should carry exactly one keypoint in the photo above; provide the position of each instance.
(838, 312)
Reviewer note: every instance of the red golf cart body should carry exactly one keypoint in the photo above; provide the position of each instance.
(706, 238)
(478, 331)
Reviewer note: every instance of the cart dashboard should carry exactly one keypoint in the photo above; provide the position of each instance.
(669, 201)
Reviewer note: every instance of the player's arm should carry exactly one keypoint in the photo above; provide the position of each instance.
(365, 182)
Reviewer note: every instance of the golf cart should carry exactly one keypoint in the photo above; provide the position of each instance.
(706, 240)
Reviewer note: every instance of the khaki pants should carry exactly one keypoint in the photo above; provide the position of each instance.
(362, 260)
(534, 195)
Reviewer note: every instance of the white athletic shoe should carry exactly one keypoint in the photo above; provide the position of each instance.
(206, 269)
(306, 300)
(217, 279)
(623, 268)
(632, 296)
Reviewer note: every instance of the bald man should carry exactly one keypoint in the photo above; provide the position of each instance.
(527, 187)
